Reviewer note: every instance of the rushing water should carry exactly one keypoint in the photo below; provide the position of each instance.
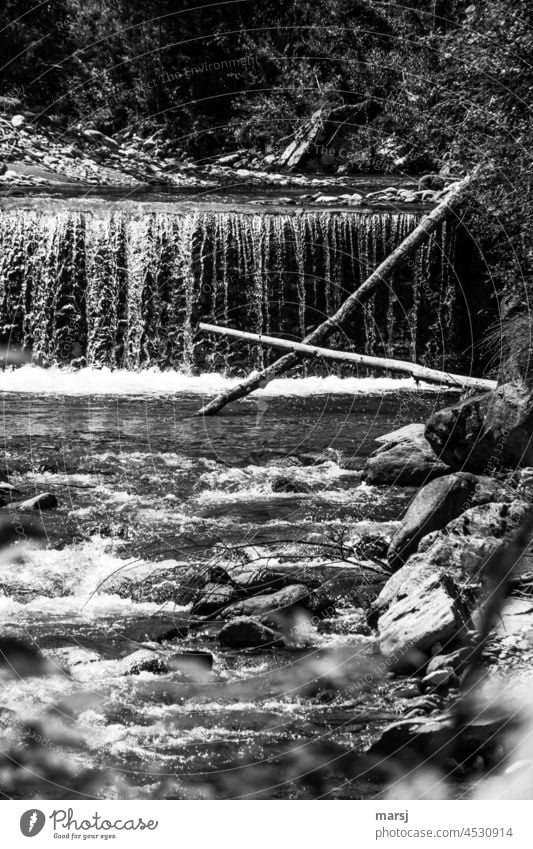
(122, 285)
(146, 488)
(151, 497)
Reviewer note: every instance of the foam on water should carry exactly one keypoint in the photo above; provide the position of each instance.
(104, 381)
(62, 582)
(325, 476)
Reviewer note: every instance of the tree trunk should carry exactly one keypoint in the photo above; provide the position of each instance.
(382, 274)
(418, 372)
(321, 129)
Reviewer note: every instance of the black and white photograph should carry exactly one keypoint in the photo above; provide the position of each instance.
(266, 386)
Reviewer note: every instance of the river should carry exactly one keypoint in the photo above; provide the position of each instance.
(149, 495)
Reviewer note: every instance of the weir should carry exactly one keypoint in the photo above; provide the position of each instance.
(124, 287)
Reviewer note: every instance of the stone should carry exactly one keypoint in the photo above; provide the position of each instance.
(246, 632)
(401, 434)
(417, 619)
(407, 197)
(457, 661)
(101, 138)
(18, 121)
(485, 432)
(45, 501)
(213, 598)
(143, 660)
(354, 199)
(489, 489)
(229, 158)
(426, 195)
(456, 550)
(258, 581)
(431, 181)
(438, 679)
(410, 692)
(419, 738)
(294, 596)
(436, 504)
(494, 520)
(407, 459)
(516, 620)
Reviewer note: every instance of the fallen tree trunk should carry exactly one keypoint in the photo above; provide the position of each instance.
(381, 274)
(428, 375)
(322, 130)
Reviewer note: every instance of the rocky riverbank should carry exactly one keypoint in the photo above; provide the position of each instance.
(36, 153)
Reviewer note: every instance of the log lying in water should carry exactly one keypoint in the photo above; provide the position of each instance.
(428, 375)
(382, 274)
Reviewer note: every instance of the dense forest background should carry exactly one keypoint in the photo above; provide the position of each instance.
(449, 81)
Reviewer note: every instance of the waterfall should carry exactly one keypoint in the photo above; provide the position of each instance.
(123, 286)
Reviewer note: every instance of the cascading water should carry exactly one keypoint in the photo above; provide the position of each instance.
(123, 287)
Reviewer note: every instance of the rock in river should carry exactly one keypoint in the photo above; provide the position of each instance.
(457, 550)
(296, 596)
(433, 507)
(45, 501)
(486, 431)
(245, 632)
(420, 738)
(418, 619)
(144, 660)
(213, 598)
(405, 459)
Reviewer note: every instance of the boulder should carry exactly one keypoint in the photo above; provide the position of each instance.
(45, 501)
(295, 596)
(490, 489)
(457, 550)
(416, 620)
(409, 433)
(245, 632)
(418, 739)
(18, 121)
(431, 181)
(258, 581)
(143, 660)
(213, 598)
(494, 520)
(100, 138)
(406, 459)
(485, 432)
(436, 504)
